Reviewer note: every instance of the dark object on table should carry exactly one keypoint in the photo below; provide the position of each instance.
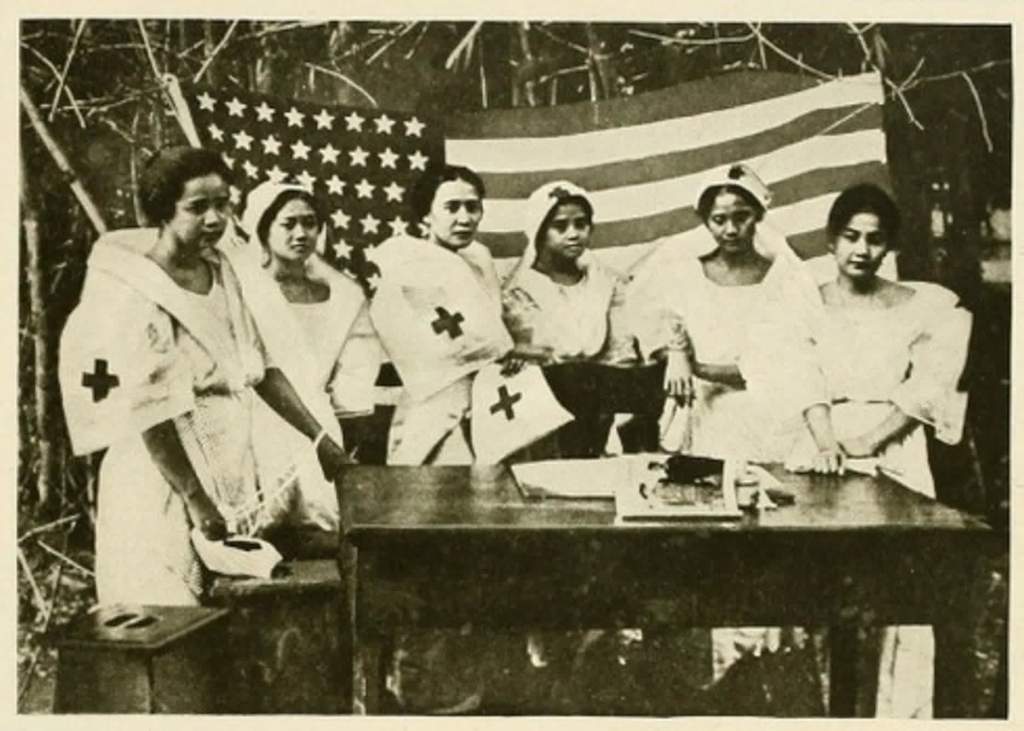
(686, 469)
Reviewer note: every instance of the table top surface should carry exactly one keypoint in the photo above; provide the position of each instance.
(379, 499)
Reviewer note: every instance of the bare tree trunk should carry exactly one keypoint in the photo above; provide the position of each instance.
(40, 348)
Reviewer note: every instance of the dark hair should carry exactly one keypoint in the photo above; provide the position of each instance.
(421, 197)
(707, 200)
(864, 198)
(163, 180)
(562, 200)
(263, 227)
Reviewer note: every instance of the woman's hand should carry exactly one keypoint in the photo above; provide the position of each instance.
(333, 459)
(204, 515)
(861, 446)
(514, 360)
(679, 376)
(829, 461)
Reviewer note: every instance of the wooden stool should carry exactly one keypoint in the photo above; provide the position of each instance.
(282, 640)
(140, 659)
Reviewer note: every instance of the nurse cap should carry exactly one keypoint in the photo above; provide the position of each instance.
(740, 175)
(546, 197)
(260, 199)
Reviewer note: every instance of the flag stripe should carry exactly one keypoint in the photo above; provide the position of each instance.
(788, 214)
(841, 120)
(606, 145)
(659, 196)
(692, 99)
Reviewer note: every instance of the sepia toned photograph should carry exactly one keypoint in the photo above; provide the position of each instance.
(520, 367)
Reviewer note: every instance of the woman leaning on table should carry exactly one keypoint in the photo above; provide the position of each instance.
(881, 360)
(707, 310)
(704, 309)
(160, 364)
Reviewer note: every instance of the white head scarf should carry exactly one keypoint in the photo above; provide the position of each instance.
(767, 239)
(540, 203)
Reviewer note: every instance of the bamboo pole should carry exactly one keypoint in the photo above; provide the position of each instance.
(81, 194)
(40, 343)
(602, 61)
(62, 78)
(529, 86)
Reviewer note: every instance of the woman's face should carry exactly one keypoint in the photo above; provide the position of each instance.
(567, 234)
(201, 213)
(732, 222)
(454, 214)
(860, 247)
(292, 234)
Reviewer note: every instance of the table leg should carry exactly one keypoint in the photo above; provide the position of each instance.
(348, 640)
(842, 671)
(371, 657)
(954, 660)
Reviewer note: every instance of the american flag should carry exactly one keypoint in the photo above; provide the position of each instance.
(360, 163)
(644, 157)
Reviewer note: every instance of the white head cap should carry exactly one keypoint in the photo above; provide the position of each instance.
(740, 175)
(260, 199)
(540, 203)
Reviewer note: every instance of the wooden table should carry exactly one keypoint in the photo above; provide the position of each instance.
(436, 547)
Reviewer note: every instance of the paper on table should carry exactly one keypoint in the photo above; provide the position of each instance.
(579, 478)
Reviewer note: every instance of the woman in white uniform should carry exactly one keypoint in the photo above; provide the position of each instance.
(437, 311)
(706, 311)
(160, 365)
(881, 360)
(316, 309)
(559, 302)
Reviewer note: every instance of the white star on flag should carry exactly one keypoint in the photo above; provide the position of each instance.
(354, 122)
(418, 161)
(394, 191)
(235, 195)
(324, 120)
(362, 162)
(276, 174)
(235, 107)
(388, 158)
(358, 157)
(370, 223)
(271, 145)
(414, 127)
(300, 150)
(294, 117)
(264, 113)
(364, 188)
(398, 226)
(340, 219)
(384, 124)
(329, 153)
(305, 180)
(228, 160)
(335, 184)
(342, 250)
(242, 140)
